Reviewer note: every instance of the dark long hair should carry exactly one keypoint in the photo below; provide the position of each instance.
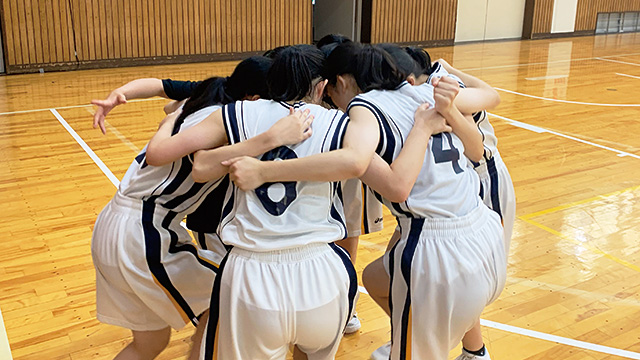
(249, 78)
(422, 59)
(293, 71)
(406, 64)
(332, 39)
(371, 66)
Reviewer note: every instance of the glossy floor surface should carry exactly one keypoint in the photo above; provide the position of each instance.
(569, 131)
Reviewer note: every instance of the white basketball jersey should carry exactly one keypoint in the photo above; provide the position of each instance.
(170, 185)
(447, 185)
(489, 139)
(283, 215)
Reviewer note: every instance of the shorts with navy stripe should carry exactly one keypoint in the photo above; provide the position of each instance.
(443, 273)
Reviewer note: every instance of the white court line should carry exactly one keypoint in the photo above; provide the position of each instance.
(73, 107)
(539, 130)
(566, 101)
(86, 148)
(617, 61)
(550, 77)
(117, 133)
(547, 62)
(5, 350)
(631, 76)
(561, 340)
(504, 327)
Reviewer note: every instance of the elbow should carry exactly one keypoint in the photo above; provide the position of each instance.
(494, 100)
(475, 154)
(198, 172)
(399, 195)
(154, 156)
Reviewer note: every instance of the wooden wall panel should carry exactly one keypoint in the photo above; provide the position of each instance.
(413, 21)
(49, 33)
(538, 18)
(587, 12)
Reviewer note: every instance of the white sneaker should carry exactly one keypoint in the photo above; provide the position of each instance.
(353, 325)
(468, 356)
(382, 353)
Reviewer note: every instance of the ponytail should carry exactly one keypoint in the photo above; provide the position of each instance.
(376, 70)
(248, 79)
(293, 71)
(422, 59)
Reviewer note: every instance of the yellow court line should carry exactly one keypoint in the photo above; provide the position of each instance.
(576, 203)
(582, 244)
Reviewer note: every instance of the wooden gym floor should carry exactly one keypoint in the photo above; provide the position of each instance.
(569, 133)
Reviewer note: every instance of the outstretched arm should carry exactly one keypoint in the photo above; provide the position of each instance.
(292, 129)
(136, 89)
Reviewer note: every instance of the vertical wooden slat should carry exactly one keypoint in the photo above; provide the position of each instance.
(60, 36)
(94, 34)
(10, 31)
(48, 36)
(105, 38)
(141, 29)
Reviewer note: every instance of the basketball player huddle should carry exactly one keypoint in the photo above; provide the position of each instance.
(275, 169)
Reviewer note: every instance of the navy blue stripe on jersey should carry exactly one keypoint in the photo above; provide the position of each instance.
(153, 252)
(228, 206)
(481, 190)
(230, 121)
(387, 142)
(214, 313)
(140, 159)
(201, 238)
(326, 135)
(184, 171)
(175, 248)
(353, 277)
(495, 186)
(392, 254)
(398, 208)
(338, 135)
(365, 206)
(335, 214)
(406, 267)
(178, 200)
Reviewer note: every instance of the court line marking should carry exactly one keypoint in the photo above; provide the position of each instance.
(565, 101)
(504, 327)
(583, 244)
(579, 202)
(617, 61)
(117, 133)
(631, 76)
(540, 130)
(5, 349)
(561, 340)
(550, 77)
(114, 180)
(552, 338)
(73, 106)
(547, 62)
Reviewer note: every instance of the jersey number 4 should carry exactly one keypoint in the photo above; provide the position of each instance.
(449, 155)
(277, 208)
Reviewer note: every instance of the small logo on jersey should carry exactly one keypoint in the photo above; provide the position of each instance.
(377, 220)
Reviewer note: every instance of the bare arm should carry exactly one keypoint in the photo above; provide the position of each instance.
(352, 160)
(394, 181)
(464, 127)
(136, 89)
(477, 96)
(164, 148)
(292, 129)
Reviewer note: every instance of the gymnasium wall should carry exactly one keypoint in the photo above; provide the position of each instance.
(546, 17)
(588, 11)
(479, 20)
(49, 34)
(427, 22)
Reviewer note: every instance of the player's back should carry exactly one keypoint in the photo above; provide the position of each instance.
(446, 186)
(283, 215)
(170, 185)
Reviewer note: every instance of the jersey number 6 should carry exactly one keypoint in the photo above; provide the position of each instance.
(277, 208)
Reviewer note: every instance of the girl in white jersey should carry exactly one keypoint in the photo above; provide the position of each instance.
(149, 276)
(450, 261)
(284, 281)
(496, 187)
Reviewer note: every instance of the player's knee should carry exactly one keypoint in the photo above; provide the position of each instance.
(151, 345)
